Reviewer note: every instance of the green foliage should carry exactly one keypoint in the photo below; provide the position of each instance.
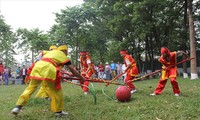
(6, 43)
(32, 41)
(104, 27)
(80, 28)
(80, 107)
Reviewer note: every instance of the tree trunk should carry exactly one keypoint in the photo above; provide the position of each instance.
(76, 61)
(139, 58)
(146, 67)
(32, 56)
(184, 44)
(151, 53)
(193, 64)
(6, 60)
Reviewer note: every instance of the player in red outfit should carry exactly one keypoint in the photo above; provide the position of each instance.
(168, 59)
(131, 69)
(87, 69)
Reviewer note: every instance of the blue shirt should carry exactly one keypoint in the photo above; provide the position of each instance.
(113, 66)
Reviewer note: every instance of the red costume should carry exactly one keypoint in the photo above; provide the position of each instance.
(1, 73)
(132, 70)
(169, 72)
(101, 68)
(87, 68)
(1, 68)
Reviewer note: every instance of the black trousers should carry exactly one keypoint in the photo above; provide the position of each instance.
(23, 81)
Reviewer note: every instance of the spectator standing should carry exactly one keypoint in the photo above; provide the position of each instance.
(1, 68)
(123, 69)
(1, 73)
(119, 68)
(113, 69)
(1, 78)
(108, 71)
(9, 72)
(100, 70)
(95, 74)
(6, 75)
(23, 73)
(17, 73)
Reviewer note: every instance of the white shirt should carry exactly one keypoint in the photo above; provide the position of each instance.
(23, 71)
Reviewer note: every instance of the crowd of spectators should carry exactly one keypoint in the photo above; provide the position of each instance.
(10, 76)
(109, 71)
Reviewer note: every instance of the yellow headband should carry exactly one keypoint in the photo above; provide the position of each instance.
(62, 47)
(52, 47)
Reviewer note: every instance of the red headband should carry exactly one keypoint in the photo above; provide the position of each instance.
(123, 52)
(83, 53)
(164, 50)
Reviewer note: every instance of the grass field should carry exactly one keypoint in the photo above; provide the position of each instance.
(81, 107)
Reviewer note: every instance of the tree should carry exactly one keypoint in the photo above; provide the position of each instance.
(32, 41)
(185, 38)
(193, 65)
(6, 43)
(142, 26)
(82, 29)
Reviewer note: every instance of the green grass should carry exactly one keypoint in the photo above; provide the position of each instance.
(81, 107)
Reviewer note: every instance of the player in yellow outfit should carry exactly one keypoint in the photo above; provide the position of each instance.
(47, 72)
(42, 93)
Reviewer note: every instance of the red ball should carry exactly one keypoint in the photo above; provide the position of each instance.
(123, 94)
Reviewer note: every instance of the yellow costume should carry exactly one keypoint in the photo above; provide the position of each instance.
(42, 93)
(46, 71)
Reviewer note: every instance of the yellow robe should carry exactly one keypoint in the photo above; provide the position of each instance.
(45, 72)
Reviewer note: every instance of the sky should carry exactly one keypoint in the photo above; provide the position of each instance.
(31, 14)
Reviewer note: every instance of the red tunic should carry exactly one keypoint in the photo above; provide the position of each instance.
(101, 68)
(133, 71)
(1, 69)
(85, 64)
(172, 71)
